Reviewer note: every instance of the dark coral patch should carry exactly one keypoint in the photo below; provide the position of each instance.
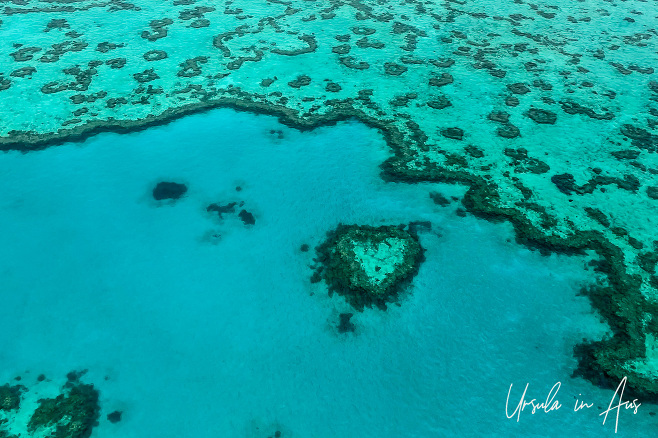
(116, 63)
(507, 130)
(342, 49)
(512, 101)
(368, 265)
(57, 23)
(499, 116)
(158, 29)
(114, 417)
(444, 79)
(168, 190)
(4, 83)
(393, 69)
(652, 192)
(247, 217)
(333, 87)
(106, 46)
(518, 88)
(454, 133)
(10, 397)
(439, 199)
(221, 209)
(25, 53)
(345, 325)
(146, 76)
(72, 414)
(542, 116)
(155, 55)
(23, 72)
(439, 102)
(191, 67)
(301, 81)
(565, 183)
(267, 82)
(351, 62)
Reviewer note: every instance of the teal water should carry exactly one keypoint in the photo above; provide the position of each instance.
(201, 336)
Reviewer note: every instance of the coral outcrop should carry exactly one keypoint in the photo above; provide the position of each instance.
(368, 265)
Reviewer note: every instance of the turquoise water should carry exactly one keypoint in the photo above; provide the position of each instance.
(195, 326)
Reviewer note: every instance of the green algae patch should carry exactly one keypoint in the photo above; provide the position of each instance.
(72, 414)
(369, 265)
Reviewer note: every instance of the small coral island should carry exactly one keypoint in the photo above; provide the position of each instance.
(368, 265)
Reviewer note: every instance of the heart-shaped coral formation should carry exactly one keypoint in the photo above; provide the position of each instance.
(367, 265)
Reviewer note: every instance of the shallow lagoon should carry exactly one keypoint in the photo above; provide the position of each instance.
(192, 334)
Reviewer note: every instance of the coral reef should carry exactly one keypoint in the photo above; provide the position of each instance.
(577, 133)
(114, 417)
(10, 397)
(247, 217)
(72, 414)
(368, 265)
(168, 190)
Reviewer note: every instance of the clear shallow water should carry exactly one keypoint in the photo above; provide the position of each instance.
(192, 335)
